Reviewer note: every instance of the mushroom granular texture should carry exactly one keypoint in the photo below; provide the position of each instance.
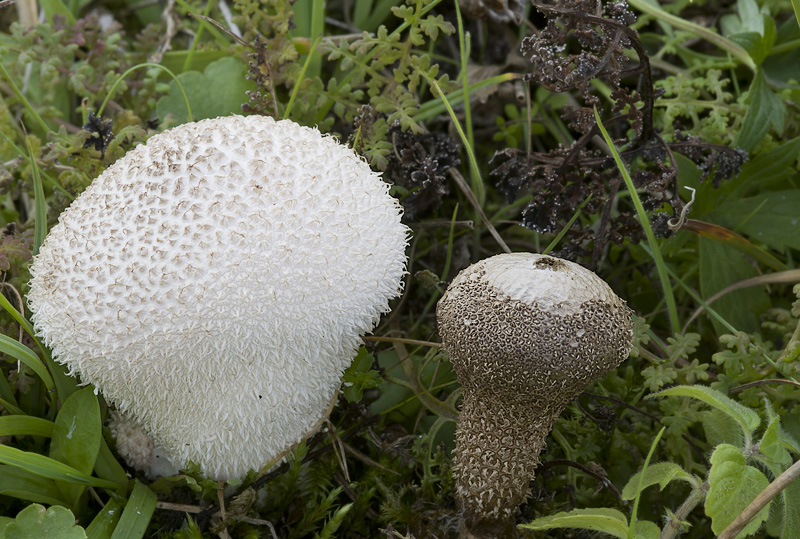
(214, 283)
(526, 334)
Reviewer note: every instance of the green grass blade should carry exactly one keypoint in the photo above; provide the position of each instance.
(463, 45)
(47, 467)
(23, 99)
(40, 207)
(137, 514)
(107, 467)
(634, 511)
(567, 226)
(139, 66)
(710, 310)
(106, 520)
(23, 485)
(11, 408)
(434, 107)
(361, 12)
(6, 392)
(203, 25)
(449, 258)
(25, 425)
(672, 309)
(700, 31)
(796, 7)
(57, 7)
(318, 30)
(54, 184)
(300, 78)
(24, 354)
(65, 385)
(477, 186)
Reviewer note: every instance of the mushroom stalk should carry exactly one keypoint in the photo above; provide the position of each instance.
(526, 334)
(492, 477)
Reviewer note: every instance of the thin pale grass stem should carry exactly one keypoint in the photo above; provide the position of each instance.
(138, 66)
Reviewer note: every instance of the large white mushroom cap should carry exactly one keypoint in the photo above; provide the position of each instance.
(214, 283)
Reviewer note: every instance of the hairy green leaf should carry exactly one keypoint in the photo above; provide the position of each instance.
(660, 474)
(608, 521)
(747, 419)
(732, 486)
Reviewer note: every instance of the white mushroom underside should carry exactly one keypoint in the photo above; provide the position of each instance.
(213, 284)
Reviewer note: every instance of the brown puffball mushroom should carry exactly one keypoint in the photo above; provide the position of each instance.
(526, 334)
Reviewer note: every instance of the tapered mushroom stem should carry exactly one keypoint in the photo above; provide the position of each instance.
(526, 334)
(494, 464)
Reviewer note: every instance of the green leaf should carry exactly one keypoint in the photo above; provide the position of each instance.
(722, 265)
(218, 91)
(106, 520)
(77, 435)
(791, 511)
(40, 204)
(137, 514)
(647, 530)
(47, 467)
(107, 467)
(359, 376)
(19, 351)
(64, 384)
(608, 521)
(764, 109)
(57, 7)
(770, 218)
(758, 45)
(22, 484)
(733, 484)
(720, 428)
(23, 425)
(661, 474)
(772, 446)
(634, 527)
(747, 419)
(36, 521)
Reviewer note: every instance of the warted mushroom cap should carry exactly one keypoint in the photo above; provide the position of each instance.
(214, 283)
(526, 334)
(552, 321)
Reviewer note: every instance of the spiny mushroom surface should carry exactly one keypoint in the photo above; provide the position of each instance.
(214, 283)
(526, 334)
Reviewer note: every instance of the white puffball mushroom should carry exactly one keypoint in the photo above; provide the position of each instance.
(214, 284)
(526, 334)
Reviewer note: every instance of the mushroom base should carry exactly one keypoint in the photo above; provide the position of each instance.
(497, 452)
